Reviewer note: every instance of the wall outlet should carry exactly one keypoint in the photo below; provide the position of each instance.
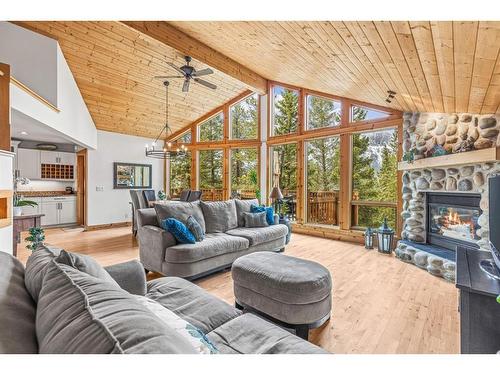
(99, 188)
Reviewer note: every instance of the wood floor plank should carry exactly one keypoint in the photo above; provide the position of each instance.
(380, 304)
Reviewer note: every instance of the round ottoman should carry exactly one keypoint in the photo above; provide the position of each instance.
(293, 292)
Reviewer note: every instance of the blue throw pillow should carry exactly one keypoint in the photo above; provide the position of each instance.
(179, 230)
(268, 210)
(195, 228)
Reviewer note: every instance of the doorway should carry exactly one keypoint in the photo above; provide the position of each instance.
(81, 187)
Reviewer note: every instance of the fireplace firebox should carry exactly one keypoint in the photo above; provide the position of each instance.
(452, 220)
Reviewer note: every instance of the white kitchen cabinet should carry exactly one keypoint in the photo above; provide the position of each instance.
(58, 210)
(51, 211)
(67, 158)
(53, 157)
(28, 163)
(67, 212)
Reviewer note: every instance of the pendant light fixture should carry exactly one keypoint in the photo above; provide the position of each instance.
(169, 150)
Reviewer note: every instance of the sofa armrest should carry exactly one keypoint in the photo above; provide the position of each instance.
(153, 241)
(130, 276)
(276, 219)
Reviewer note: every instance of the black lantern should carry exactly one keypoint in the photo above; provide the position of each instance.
(385, 238)
(369, 234)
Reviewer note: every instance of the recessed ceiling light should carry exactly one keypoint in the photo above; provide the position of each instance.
(24, 133)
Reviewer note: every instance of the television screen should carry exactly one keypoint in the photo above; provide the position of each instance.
(494, 209)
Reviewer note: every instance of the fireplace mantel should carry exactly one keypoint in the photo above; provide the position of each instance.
(486, 155)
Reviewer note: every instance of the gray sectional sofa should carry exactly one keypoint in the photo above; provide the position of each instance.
(226, 237)
(70, 304)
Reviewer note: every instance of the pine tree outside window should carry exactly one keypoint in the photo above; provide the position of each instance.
(212, 129)
(323, 180)
(374, 178)
(244, 180)
(285, 111)
(184, 138)
(180, 174)
(243, 118)
(322, 112)
(210, 174)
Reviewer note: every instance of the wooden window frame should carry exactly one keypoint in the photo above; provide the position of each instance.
(270, 110)
(239, 147)
(308, 93)
(200, 124)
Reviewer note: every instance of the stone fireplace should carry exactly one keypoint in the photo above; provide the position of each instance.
(445, 198)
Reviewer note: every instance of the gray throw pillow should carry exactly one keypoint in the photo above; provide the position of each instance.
(195, 228)
(78, 313)
(180, 211)
(243, 205)
(35, 268)
(86, 264)
(255, 220)
(219, 216)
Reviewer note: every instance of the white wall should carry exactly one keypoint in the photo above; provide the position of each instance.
(6, 160)
(73, 120)
(112, 205)
(32, 58)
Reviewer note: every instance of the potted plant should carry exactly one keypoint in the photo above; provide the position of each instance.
(19, 203)
(35, 239)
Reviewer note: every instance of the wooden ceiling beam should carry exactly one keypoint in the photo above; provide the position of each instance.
(171, 36)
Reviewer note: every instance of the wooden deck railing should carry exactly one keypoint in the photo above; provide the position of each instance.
(322, 207)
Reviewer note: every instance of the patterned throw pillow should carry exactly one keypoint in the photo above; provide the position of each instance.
(195, 336)
(179, 230)
(268, 210)
(195, 228)
(255, 220)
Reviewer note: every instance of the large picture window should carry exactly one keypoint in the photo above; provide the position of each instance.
(244, 173)
(285, 111)
(243, 118)
(323, 180)
(374, 178)
(322, 112)
(283, 163)
(210, 174)
(180, 174)
(212, 129)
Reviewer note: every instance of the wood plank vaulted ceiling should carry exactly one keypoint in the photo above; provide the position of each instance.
(114, 67)
(433, 66)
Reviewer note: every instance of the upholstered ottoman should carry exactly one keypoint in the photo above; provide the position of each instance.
(293, 292)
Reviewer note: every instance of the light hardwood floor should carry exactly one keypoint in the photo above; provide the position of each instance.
(380, 304)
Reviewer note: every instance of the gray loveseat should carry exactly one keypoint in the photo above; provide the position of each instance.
(226, 237)
(49, 307)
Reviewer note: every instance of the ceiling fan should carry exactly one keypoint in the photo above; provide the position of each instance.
(190, 73)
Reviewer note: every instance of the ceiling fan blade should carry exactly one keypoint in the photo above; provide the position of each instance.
(185, 86)
(176, 68)
(203, 72)
(205, 83)
(163, 77)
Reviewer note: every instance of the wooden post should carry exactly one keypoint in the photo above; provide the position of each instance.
(300, 182)
(345, 182)
(4, 107)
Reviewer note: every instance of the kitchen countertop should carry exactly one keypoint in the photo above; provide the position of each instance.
(45, 193)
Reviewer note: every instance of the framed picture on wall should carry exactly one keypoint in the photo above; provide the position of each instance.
(132, 176)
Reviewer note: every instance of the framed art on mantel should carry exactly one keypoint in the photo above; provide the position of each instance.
(132, 176)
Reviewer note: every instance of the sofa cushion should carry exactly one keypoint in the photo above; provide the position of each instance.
(78, 313)
(243, 205)
(268, 210)
(214, 244)
(86, 264)
(17, 309)
(191, 302)
(249, 334)
(219, 216)
(195, 228)
(198, 340)
(257, 236)
(181, 233)
(35, 268)
(255, 220)
(180, 211)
